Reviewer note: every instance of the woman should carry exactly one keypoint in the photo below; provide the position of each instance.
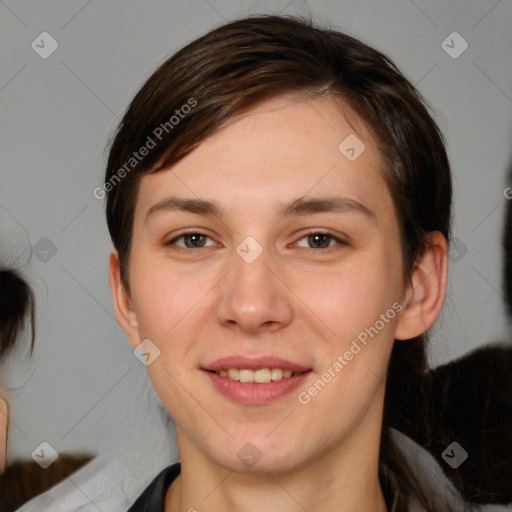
(23, 479)
(279, 199)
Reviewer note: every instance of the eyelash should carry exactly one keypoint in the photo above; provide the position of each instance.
(331, 236)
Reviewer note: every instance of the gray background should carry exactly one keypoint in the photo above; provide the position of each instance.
(84, 389)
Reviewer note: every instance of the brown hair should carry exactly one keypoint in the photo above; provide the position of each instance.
(16, 303)
(230, 70)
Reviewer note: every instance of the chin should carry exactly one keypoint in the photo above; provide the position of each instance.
(259, 454)
(259, 463)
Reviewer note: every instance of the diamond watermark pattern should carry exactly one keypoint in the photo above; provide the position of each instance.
(45, 455)
(146, 352)
(454, 455)
(454, 45)
(249, 455)
(457, 250)
(249, 250)
(351, 147)
(44, 249)
(44, 45)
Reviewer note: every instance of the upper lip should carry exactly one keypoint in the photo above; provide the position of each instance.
(254, 363)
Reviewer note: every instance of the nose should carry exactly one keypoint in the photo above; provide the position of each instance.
(253, 298)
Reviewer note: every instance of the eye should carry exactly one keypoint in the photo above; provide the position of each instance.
(197, 240)
(320, 240)
(191, 240)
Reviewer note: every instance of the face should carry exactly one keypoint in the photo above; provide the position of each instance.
(294, 263)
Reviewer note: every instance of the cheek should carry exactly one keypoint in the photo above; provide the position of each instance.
(171, 306)
(354, 304)
(162, 297)
(349, 298)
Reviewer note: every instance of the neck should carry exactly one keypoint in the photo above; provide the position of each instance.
(274, 493)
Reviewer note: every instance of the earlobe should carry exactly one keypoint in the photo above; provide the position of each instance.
(123, 308)
(427, 289)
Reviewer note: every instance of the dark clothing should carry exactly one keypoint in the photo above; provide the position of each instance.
(153, 497)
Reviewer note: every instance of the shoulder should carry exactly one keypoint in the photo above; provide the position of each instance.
(153, 497)
(437, 484)
(110, 482)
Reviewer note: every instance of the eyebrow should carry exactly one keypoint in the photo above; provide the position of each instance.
(300, 206)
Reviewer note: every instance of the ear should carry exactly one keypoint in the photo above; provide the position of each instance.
(123, 308)
(426, 291)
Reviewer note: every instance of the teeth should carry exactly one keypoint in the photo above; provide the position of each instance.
(245, 375)
(261, 376)
(276, 373)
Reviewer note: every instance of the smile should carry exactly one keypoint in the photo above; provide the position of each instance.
(260, 376)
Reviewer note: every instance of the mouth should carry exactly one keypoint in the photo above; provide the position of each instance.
(255, 381)
(259, 376)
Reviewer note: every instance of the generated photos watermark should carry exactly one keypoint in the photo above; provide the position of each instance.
(145, 149)
(304, 397)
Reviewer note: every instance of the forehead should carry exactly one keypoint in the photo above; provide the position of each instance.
(281, 149)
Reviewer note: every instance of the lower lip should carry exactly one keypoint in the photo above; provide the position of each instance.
(254, 393)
